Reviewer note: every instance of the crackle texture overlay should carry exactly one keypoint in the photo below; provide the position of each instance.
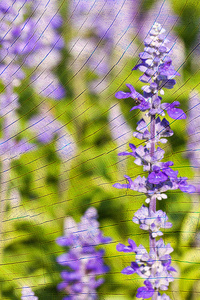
(99, 149)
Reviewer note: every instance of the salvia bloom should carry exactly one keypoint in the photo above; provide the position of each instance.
(83, 260)
(158, 73)
(27, 294)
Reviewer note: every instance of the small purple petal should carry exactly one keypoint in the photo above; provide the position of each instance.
(128, 270)
(122, 95)
(175, 113)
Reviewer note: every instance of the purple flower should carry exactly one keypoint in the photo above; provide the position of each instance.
(145, 292)
(22, 34)
(155, 266)
(185, 187)
(173, 112)
(133, 94)
(130, 248)
(45, 127)
(65, 145)
(157, 176)
(156, 64)
(163, 297)
(143, 103)
(48, 85)
(95, 41)
(151, 221)
(84, 261)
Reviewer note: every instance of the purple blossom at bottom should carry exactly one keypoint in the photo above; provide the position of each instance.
(83, 261)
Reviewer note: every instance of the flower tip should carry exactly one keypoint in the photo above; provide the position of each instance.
(120, 247)
(118, 186)
(118, 95)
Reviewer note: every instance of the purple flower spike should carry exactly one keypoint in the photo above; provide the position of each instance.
(158, 73)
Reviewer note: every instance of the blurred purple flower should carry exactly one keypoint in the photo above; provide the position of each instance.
(84, 261)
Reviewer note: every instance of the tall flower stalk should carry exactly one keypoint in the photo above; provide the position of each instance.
(158, 73)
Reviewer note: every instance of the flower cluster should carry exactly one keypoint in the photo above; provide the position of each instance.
(84, 261)
(155, 266)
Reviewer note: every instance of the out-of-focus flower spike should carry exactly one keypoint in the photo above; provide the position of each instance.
(84, 261)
